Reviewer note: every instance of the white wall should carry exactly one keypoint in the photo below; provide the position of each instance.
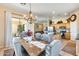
(2, 27)
(73, 30)
(74, 27)
(8, 39)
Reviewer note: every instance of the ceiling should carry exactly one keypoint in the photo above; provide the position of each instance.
(44, 9)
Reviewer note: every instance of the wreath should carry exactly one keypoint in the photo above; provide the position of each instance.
(73, 18)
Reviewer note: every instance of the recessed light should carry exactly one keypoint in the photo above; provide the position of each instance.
(53, 12)
(65, 14)
(23, 4)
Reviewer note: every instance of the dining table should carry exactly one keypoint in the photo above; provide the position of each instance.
(33, 48)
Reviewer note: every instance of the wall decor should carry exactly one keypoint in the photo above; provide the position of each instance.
(73, 17)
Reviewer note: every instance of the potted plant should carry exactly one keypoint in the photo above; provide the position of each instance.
(20, 28)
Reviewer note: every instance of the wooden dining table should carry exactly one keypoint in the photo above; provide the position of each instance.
(31, 49)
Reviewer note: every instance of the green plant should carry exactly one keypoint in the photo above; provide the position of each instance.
(20, 28)
(14, 34)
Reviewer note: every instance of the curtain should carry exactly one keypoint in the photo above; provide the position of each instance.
(8, 29)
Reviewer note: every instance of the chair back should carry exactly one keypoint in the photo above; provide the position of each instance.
(17, 47)
(54, 48)
(38, 36)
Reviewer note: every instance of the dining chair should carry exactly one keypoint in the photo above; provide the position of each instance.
(38, 36)
(17, 46)
(54, 48)
(45, 37)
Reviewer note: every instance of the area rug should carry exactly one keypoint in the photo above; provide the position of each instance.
(9, 52)
(70, 48)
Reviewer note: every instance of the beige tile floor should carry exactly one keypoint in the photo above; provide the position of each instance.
(2, 51)
(77, 47)
(65, 45)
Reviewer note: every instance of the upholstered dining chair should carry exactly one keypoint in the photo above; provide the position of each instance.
(54, 48)
(17, 46)
(45, 37)
(38, 36)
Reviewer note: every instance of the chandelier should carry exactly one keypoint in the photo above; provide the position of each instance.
(30, 18)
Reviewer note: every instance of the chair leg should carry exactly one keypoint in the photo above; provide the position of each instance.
(42, 53)
(24, 52)
(14, 53)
